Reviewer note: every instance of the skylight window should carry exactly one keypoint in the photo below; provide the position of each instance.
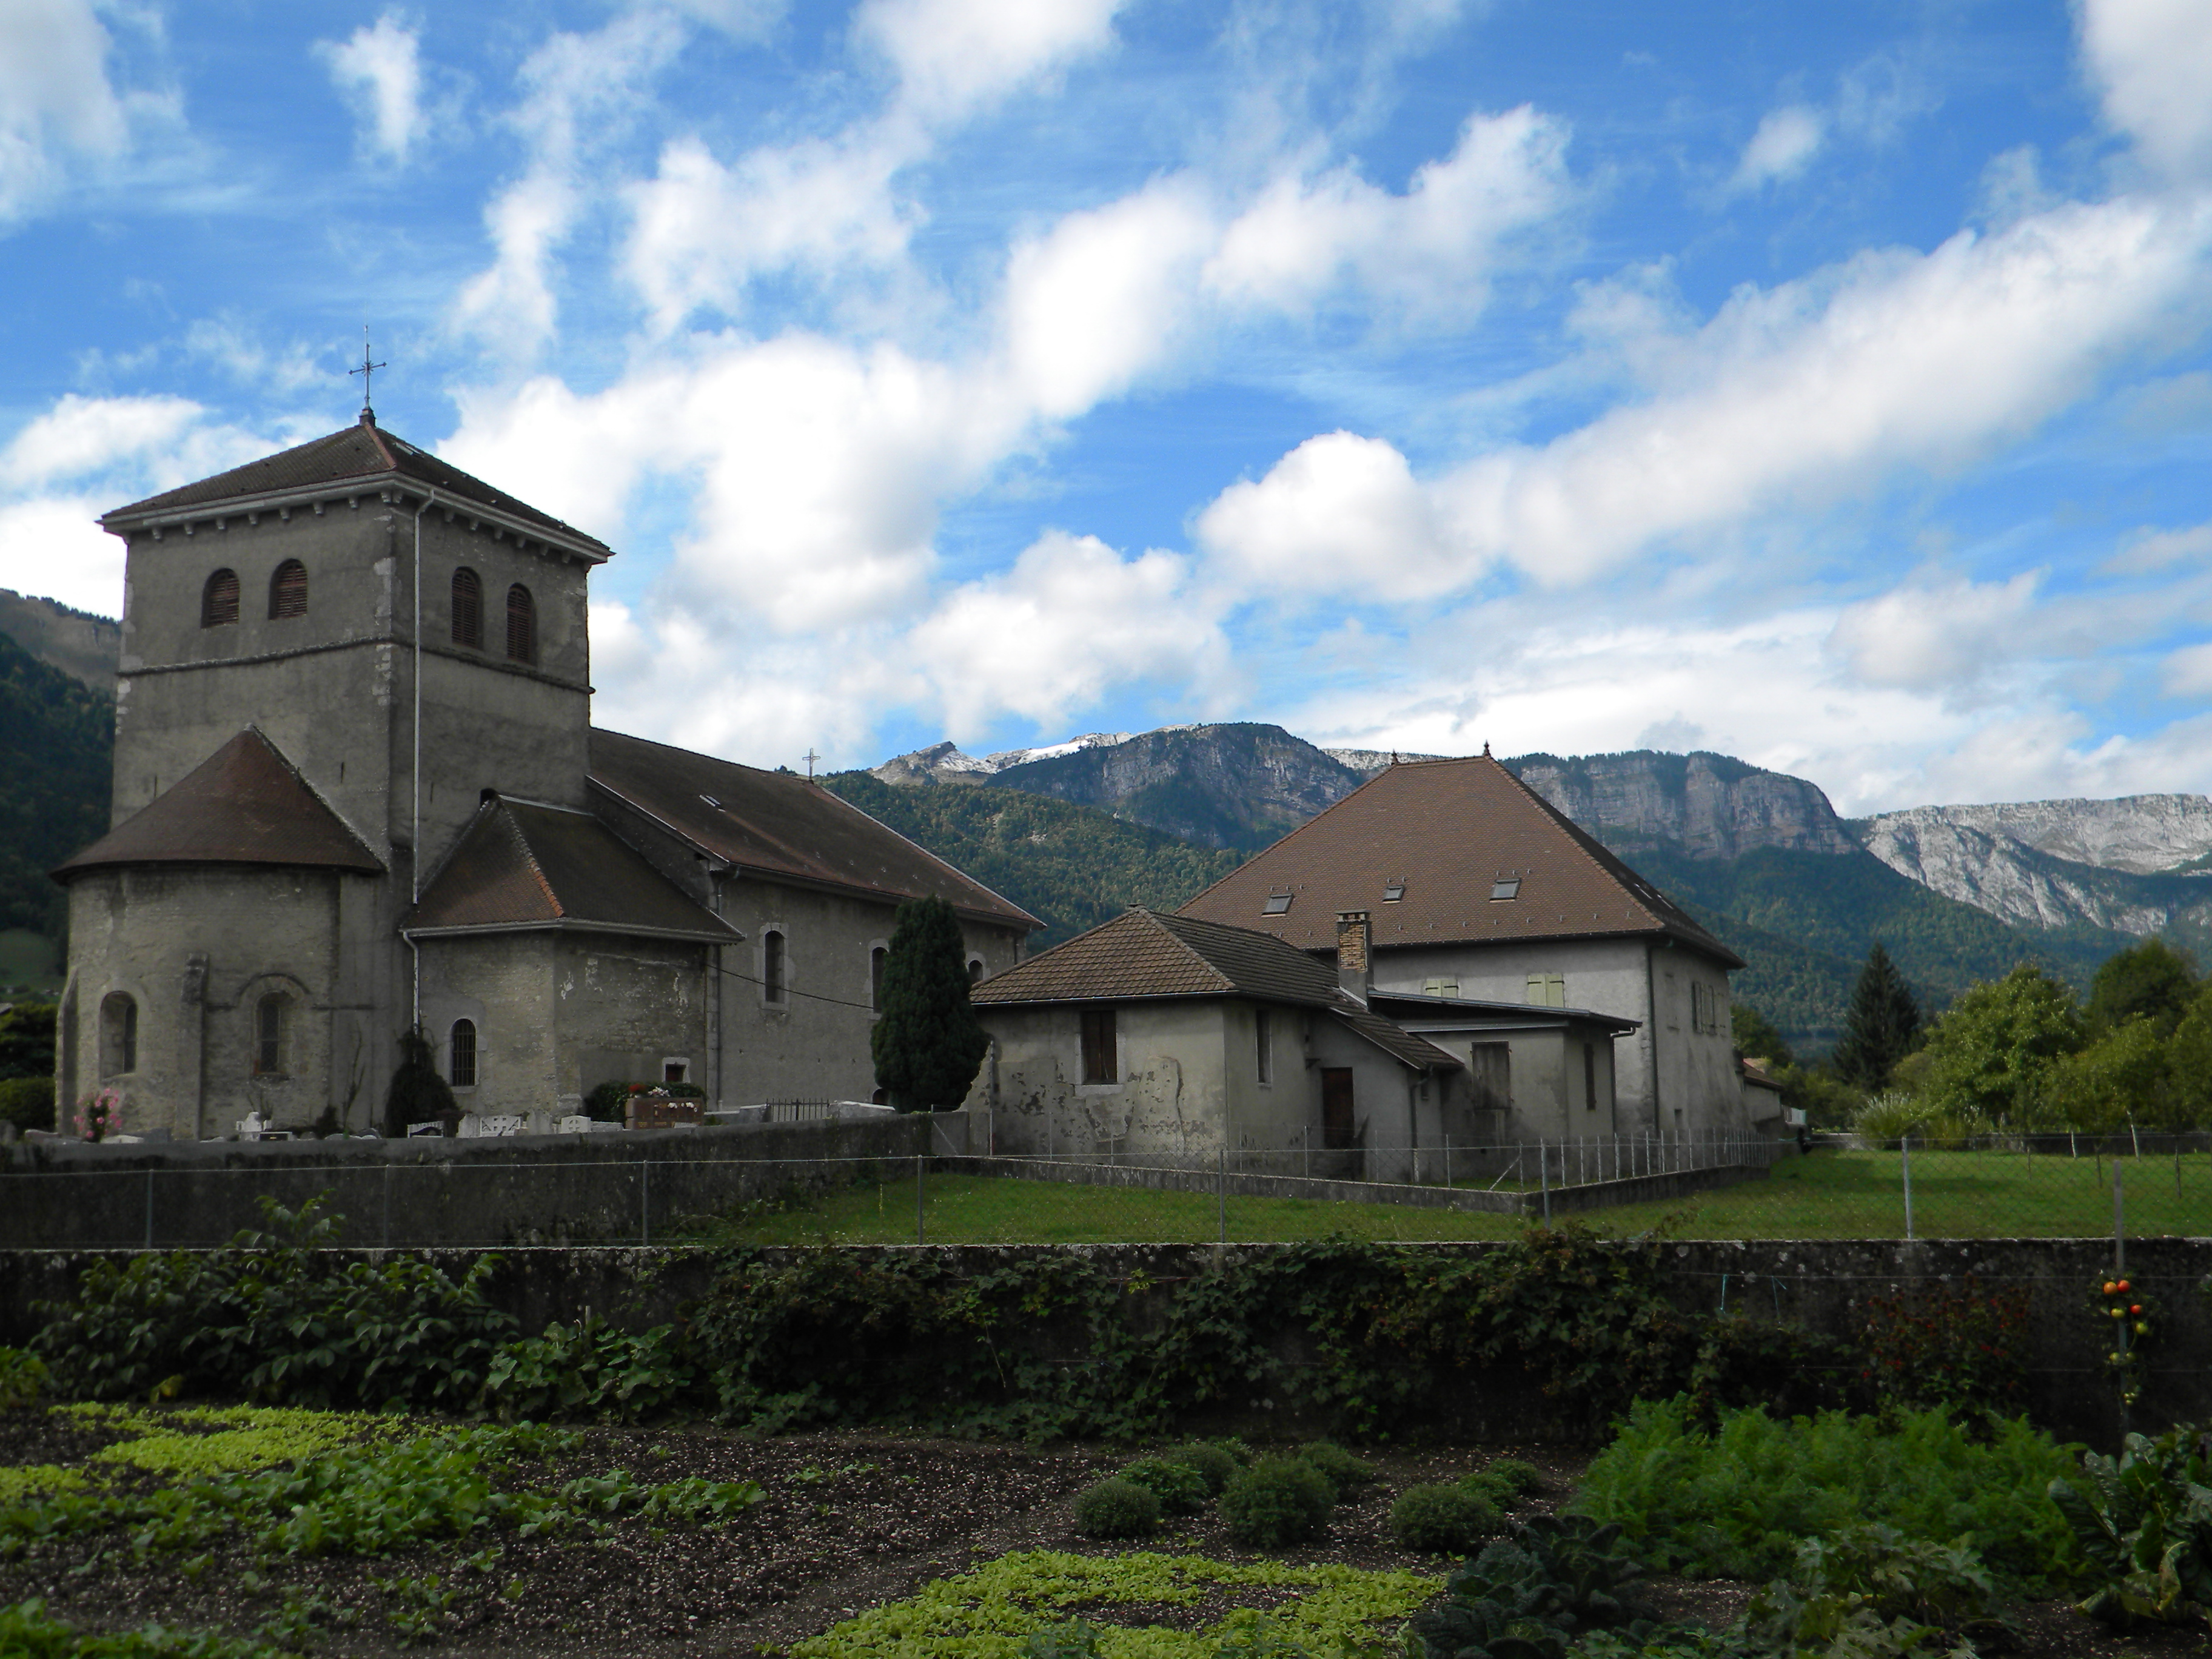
(1278, 904)
(1505, 887)
(1392, 891)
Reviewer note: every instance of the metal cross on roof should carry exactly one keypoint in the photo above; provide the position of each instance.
(365, 371)
(809, 757)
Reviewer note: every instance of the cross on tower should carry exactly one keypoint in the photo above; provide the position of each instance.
(366, 370)
(809, 757)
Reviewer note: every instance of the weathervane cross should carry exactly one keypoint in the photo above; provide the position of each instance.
(365, 371)
(809, 757)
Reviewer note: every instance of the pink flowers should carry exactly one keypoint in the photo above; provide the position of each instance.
(100, 1115)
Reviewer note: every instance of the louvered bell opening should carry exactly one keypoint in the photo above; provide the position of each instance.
(219, 600)
(521, 625)
(288, 591)
(468, 610)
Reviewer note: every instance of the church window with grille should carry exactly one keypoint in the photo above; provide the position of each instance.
(521, 625)
(288, 591)
(268, 1035)
(119, 1034)
(461, 1065)
(219, 599)
(468, 609)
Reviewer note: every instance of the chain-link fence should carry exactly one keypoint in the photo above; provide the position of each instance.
(1719, 1187)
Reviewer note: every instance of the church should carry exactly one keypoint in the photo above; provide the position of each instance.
(357, 792)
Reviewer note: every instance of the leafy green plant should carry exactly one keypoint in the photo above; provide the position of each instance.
(1278, 1501)
(1938, 1346)
(1524, 1595)
(588, 1369)
(1342, 1470)
(1733, 1500)
(1181, 1489)
(28, 1631)
(22, 1376)
(1524, 1478)
(2144, 1522)
(1870, 1590)
(28, 1102)
(415, 1608)
(1444, 1518)
(1214, 1462)
(1117, 1509)
(2128, 1320)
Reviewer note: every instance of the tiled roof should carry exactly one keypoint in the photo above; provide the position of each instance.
(243, 805)
(779, 824)
(1143, 955)
(362, 453)
(1449, 830)
(522, 865)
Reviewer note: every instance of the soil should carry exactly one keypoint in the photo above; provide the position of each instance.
(851, 1521)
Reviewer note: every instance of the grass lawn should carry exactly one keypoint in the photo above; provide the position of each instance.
(1830, 1194)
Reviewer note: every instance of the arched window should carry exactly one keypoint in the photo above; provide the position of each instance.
(975, 970)
(219, 599)
(772, 966)
(269, 1034)
(468, 609)
(119, 1034)
(521, 625)
(461, 1067)
(877, 958)
(288, 591)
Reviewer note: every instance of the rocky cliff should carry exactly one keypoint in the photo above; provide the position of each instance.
(82, 646)
(1709, 806)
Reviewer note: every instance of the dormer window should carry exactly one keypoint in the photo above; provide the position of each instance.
(219, 599)
(1392, 891)
(1278, 904)
(288, 591)
(1505, 887)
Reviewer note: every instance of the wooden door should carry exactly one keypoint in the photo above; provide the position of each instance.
(1339, 1124)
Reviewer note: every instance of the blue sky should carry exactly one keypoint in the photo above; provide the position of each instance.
(1825, 386)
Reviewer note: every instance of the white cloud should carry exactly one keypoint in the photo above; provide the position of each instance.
(954, 56)
(1787, 140)
(512, 305)
(1935, 637)
(2152, 62)
(741, 20)
(81, 436)
(56, 102)
(1429, 250)
(378, 71)
(1333, 499)
(1071, 620)
(2156, 549)
(2187, 673)
(1790, 397)
(51, 547)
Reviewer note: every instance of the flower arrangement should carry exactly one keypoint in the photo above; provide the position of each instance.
(99, 1116)
(2132, 1318)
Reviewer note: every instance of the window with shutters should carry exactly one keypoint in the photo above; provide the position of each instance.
(219, 599)
(521, 625)
(468, 609)
(461, 1055)
(288, 591)
(1547, 990)
(1099, 1061)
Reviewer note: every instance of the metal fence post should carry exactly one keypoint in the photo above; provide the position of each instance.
(1544, 1179)
(1221, 1188)
(1904, 1151)
(2119, 1226)
(386, 1232)
(921, 1227)
(645, 1200)
(1447, 1180)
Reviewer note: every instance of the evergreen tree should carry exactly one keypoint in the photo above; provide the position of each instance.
(926, 1044)
(417, 1094)
(1879, 1025)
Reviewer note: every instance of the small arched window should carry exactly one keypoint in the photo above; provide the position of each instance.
(119, 1034)
(219, 599)
(288, 591)
(468, 609)
(461, 1065)
(521, 625)
(772, 966)
(975, 970)
(877, 958)
(268, 1035)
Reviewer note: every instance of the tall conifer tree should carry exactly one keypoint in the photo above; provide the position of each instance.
(1879, 1029)
(926, 1044)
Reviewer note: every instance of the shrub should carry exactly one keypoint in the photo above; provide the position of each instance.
(1210, 1459)
(22, 1376)
(1117, 1509)
(1343, 1471)
(1524, 1480)
(28, 1102)
(1278, 1501)
(1444, 1519)
(588, 1369)
(1181, 1489)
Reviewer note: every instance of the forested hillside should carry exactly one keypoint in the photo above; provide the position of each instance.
(1071, 867)
(57, 740)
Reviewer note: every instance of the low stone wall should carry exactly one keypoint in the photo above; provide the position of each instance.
(1819, 1284)
(520, 1190)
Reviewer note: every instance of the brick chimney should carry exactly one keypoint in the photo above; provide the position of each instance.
(1355, 972)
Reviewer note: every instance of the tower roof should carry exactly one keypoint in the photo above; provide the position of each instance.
(363, 455)
(1473, 855)
(243, 805)
(522, 865)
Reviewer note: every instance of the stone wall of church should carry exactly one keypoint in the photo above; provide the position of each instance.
(626, 1009)
(197, 952)
(503, 985)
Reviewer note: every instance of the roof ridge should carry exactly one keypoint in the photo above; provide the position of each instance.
(1292, 836)
(1576, 837)
(300, 778)
(530, 858)
(1161, 922)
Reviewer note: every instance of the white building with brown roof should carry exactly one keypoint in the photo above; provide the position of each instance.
(1478, 888)
(357, 788)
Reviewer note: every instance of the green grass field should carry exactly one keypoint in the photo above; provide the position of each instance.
(1830, 1194)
